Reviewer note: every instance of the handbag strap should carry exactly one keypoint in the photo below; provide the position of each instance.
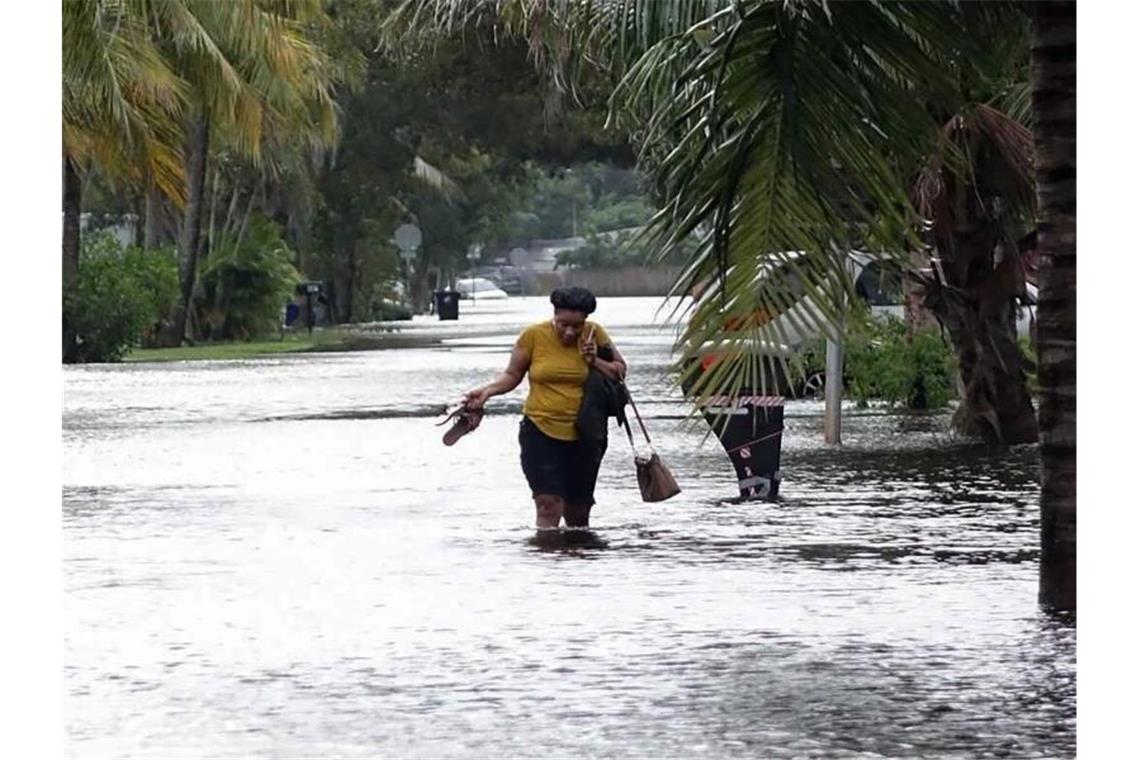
(629, 434)
(640, 422)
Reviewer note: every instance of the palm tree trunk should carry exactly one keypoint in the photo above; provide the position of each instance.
(1053, 71)
(72, 194)
(138, 207)
(199, 145)
(975, 305)
(210, 234)
(995, 404)
(245, 218)
(153, 209)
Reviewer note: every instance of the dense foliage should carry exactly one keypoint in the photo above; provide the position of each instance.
(121, 296)
(882, 362)
(246, 281)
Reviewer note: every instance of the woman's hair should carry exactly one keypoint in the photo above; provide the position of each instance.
(574, 299)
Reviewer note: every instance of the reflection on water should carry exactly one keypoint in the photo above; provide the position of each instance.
(279, 558)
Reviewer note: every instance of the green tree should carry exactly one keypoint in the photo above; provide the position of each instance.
(583, 198)
(121, 109)
(256, 78)
(119, 297)
(472, 109)
(247, 281)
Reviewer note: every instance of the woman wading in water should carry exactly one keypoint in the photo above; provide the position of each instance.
(560, 468)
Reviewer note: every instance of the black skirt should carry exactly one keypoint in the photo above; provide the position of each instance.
(559, 468)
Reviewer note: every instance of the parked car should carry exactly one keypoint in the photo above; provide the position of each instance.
(876, 282)
(506, 278)
(478, 288)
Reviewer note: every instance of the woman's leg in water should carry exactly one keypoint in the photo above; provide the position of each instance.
(577, 515)
(548, 511)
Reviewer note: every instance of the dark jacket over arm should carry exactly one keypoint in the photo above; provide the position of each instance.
(602, 398)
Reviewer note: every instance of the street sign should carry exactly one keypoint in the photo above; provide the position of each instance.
(518, 257)
(408, 237)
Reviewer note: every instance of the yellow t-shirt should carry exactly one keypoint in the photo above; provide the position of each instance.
(557, 375)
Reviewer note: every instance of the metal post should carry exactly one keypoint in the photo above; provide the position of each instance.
(833, 394)
(474, 251)
(408, 284)
(408, 238)
(833, 389)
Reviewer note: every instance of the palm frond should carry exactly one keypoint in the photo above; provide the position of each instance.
(122, 103)
(980, 153)
(786, 147)
(435, 178)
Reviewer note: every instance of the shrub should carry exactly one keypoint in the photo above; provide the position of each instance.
(881, 363)
(388, 311)
(246, 282)
(120, 297)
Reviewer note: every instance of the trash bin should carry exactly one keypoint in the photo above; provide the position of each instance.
(752, 438)
(447, 304)
(750, 427)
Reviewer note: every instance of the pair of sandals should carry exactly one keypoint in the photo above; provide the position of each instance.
(463, 421)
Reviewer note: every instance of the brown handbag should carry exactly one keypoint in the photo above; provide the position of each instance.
(653, 477)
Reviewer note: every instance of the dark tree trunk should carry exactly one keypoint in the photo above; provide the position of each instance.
(72, 193)
(996, 405)
(1053, 71)
(138, 204)
(975, 305)
(344, 273)
(152, 212)
(199, 146)
(420, 292)
(353, 282)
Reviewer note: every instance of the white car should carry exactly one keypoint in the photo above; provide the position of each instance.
(478, 288)
(801, 322)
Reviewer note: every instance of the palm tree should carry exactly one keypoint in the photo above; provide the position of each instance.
(980, 210)
(256, 78)
(121, 110)
(976, 188)
(1054, 66)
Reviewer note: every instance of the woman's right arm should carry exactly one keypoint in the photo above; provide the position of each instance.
(504, 383)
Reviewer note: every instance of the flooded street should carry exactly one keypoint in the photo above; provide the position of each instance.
(279, 558)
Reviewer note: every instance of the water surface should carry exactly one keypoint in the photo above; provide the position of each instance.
(278, 558)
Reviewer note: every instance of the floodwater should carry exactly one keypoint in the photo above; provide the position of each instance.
(279, 558)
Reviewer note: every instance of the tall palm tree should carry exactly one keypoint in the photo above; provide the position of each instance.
(976, 188)
(122, 106)
(255, 77)
(1054, 66)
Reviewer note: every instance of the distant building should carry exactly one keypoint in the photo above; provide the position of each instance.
(122, 228)
(542, 254)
